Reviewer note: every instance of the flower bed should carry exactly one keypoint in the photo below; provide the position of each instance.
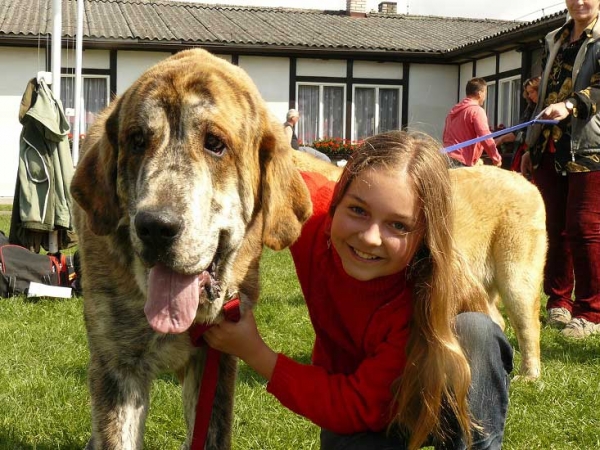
(335, 148)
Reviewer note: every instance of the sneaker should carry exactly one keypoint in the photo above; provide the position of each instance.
(579, 328)
(558, 317)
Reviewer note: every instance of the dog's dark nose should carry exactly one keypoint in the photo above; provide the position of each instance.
(157, 228)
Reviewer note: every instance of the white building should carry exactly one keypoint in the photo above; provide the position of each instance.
(351, 74)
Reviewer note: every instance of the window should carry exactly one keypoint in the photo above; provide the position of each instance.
(322, 112)
(490, 103)
(376, 110)
(94, 98)
(509, 100)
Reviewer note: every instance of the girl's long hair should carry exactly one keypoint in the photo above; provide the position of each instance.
(437, 375)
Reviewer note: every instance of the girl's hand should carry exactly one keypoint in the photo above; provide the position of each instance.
(243, 340)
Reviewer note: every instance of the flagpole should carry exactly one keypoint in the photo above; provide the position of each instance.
(56, 46)
(78, 64)
(56, 69)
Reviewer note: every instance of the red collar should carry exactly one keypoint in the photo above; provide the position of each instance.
(208, 385)
(231, 311)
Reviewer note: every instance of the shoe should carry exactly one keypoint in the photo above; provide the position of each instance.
(579, 328)
(558, 317)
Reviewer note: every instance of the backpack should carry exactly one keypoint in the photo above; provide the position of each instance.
(19, 267)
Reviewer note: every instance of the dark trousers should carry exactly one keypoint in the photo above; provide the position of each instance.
(491, 360)
(573, 226)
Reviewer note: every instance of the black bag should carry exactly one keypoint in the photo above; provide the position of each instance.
(19, 267)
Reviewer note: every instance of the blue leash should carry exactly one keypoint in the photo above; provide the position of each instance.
(499, 133)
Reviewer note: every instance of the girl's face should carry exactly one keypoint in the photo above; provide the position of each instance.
(377, 228)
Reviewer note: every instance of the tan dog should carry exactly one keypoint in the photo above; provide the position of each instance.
(501, 231)
(183, 180)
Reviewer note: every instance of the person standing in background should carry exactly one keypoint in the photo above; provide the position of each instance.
(564, 160)
(467, 120)
(530, 94)
(291, 119)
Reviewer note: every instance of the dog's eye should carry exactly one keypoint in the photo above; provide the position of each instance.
(138, 142)
(214, 145)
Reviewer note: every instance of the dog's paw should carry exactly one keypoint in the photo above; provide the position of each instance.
(525, 378)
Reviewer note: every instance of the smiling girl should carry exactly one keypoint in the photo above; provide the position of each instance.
(397, 362)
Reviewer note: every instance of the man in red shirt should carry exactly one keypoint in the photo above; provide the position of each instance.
(467, 120)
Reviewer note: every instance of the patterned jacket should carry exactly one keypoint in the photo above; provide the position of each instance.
(585, 93)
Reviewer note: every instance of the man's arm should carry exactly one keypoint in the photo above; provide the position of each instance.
(482, 128)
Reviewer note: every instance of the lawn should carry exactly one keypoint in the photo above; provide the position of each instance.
(44, 402)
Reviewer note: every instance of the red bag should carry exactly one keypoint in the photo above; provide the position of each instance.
(19, 267)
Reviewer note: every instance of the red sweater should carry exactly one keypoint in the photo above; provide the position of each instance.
(361, 330)
(465, 121)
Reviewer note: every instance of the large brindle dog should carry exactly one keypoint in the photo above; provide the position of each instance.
(182, 181)
(500, 229)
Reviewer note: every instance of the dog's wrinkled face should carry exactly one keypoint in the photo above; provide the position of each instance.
(195, 161)
(188, 206)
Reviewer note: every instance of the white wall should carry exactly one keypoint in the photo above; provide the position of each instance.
(92, 59)
(225, 57)
(18, 66)
(485, 67)
(130, 65)
(510, 60)
(306, 67)
(377, 70)
(272, 78)
(431, 94)
(466, 73)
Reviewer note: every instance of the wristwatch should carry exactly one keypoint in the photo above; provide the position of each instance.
(571, 107)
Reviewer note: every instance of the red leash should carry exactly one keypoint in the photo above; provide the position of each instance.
(210, 375)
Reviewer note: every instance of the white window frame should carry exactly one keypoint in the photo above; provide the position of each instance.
(321, 87)
(504, 83)
(491, 112)
(376, 87)
(89, 76)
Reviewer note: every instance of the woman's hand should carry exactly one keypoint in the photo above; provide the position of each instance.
(526, 165)
(555, 111)
(505, 138)
(243, 340)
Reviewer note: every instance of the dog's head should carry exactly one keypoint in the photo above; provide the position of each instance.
(189, 161)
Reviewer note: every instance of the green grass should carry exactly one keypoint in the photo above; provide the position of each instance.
(44, 402)
(5, 220)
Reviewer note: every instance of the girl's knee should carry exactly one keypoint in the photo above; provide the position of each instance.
(474, 326)
(482, 340)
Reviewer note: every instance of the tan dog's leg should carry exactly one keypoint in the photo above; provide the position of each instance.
(494, 300)
(500, 227)
(518, 282)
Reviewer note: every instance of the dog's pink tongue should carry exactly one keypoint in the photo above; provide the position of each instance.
(172, 300)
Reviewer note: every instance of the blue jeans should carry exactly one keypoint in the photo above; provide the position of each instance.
(491, 359)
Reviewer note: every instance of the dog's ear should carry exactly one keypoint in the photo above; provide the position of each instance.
(286, 201)
(94, 185)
